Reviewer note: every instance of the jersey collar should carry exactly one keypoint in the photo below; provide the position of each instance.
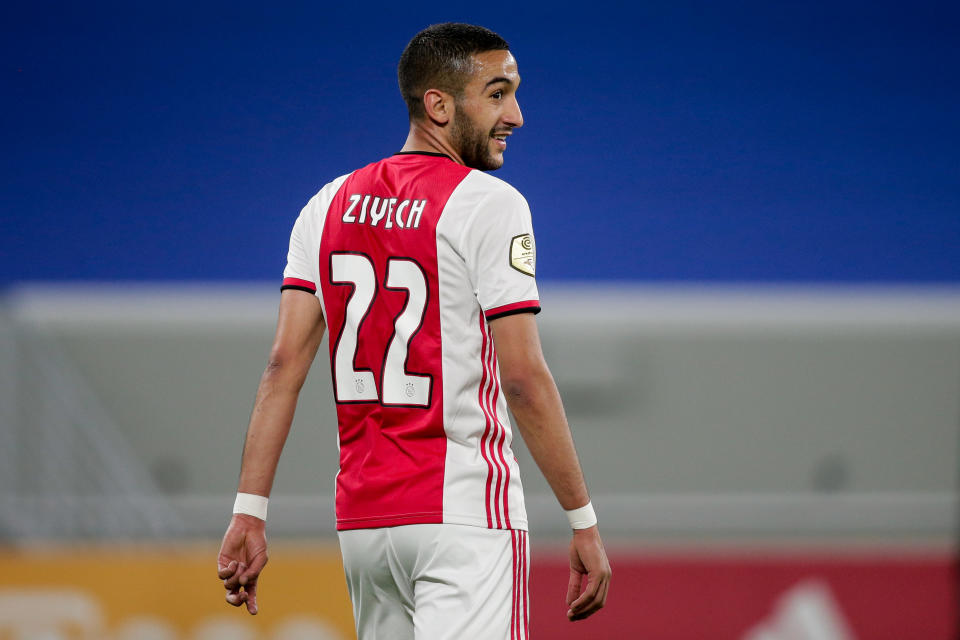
(423, 153)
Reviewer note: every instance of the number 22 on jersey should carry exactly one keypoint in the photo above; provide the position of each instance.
(399, 387)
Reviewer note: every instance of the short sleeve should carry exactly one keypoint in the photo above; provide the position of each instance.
(298, 273)
(499, 248)
(302, 271)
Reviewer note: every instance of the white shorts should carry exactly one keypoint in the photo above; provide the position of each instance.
(437, 581)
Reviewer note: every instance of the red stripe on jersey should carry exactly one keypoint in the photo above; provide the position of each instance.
(520, 619)
(486, 431)
(532, 306)
(379, 236)
(515, 601)
(524, 551)
(297, 283)
(522, 584)
(502, 433)
(493, 439)
(494, 432)
(498, 440)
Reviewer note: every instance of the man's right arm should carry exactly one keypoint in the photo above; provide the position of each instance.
(535, 402)
(300, 329)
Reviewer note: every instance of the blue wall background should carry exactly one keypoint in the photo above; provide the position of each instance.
(679, 141)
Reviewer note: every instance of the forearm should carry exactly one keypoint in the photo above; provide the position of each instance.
(300, 329)
(538, 410)
(270, 423)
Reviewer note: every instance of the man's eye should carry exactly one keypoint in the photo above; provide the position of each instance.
(497, 94)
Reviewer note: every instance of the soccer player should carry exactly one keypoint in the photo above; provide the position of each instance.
(422, 266)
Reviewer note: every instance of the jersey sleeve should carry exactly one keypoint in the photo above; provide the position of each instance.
(299, 272)
(500, 252)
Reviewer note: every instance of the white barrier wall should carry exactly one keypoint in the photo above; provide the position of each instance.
(708, 411)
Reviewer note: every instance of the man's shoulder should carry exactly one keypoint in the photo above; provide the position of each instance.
(330, 189)
(480, 186)
(493, 184)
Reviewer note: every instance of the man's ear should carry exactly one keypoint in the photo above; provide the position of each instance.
(438, 106)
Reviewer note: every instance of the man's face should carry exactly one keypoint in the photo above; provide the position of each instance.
(487, 111)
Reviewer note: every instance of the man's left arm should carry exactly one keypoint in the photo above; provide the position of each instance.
(533, 398)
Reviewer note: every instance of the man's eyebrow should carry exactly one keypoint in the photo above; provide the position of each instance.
(498, 79)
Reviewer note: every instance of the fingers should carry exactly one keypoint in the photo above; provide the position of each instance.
(225, 571)
(241, 587)
(242, 590)
(587, 557)
(232, 582)
(588, 594)
(251, 592)
(585, 607)
(588, 602)
(243, 554)
(249, 581)
(243, 593)
(240, 581)
(257, 563)
(573, 586)
(228, 573)
(236, 597)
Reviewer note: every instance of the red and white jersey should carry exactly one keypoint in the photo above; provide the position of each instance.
(410, 258)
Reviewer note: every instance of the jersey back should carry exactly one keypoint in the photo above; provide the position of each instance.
(410, 258)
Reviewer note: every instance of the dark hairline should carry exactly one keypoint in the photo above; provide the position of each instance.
(459, 92)
(457, 43)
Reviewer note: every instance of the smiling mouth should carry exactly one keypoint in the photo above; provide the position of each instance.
(501, 139)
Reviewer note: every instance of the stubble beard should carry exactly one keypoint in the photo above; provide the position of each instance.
(474, 144)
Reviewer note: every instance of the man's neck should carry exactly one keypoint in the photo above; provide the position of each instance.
(431, 139)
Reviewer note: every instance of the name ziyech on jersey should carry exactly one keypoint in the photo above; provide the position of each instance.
(404, 214)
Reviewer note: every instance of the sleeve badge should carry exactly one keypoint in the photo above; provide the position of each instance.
(523, 254)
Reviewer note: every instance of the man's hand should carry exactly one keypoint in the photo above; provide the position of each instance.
(587, 559)
(242, 557)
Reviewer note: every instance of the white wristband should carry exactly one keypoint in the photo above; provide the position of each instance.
(251, 505)
(582, 518)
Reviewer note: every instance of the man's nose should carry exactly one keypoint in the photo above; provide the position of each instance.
(513, 116)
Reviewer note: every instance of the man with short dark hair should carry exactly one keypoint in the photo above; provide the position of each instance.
(424, 269)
